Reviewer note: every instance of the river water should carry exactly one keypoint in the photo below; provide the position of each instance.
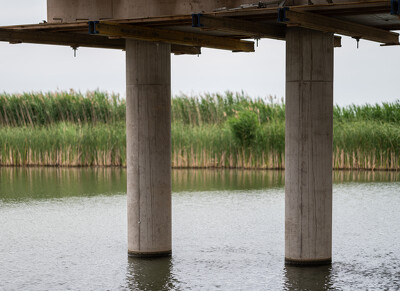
(65, 229)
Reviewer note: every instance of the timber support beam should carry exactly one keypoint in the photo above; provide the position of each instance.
(241, 27)
(293, 17)
(76, 40)
(246, 28)
(177, 49)
(60, 38)
(111, 29)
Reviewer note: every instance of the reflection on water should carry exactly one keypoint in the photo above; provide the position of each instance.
(211, 180)
(150, 274)
(365, 176)
(308, 278)
(42, 183)
(65, 229)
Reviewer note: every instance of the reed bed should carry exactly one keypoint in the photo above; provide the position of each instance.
(38, 109)
(43, 109)
(366, 145)
(385, 112)
(218, 108)
(63, 144)
(213, 146)
(210, 131)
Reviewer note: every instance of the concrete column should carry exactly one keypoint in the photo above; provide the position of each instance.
(148, 125)
(308, 157)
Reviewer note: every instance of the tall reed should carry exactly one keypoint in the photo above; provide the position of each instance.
(214, 130)
(63, 144)
(213, 146)
(366, 145)
(42, 109)
(218, 108)
(92, 107)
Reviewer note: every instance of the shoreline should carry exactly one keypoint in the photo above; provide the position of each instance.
(192, 168)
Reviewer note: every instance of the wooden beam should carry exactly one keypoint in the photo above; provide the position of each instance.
(60, 38)
(53, 26)
(329, 24)
(171, 36)
(248, 28)
(337, 41)
(185, 50)
(243, 27)
(268, 13)
(77, 40)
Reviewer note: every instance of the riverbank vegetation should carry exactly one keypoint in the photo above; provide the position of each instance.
(214, 130)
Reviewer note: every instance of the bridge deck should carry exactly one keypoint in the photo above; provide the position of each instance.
(226, 29)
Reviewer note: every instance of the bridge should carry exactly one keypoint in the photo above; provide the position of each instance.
(149, 31)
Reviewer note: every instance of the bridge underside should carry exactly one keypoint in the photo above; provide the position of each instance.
(311, 32)
(228, 29)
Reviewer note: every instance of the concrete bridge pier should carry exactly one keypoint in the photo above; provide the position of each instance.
(148, 125)
(309, 135)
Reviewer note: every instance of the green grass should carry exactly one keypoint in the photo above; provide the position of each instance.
(214, 130)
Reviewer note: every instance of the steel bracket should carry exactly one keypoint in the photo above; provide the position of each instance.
(394, 7)
(92, 27)
(282, 14)
(196, 22)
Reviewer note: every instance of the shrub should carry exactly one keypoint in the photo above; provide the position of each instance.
(244, 127)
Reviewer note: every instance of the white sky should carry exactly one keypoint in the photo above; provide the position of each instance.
(369, 74)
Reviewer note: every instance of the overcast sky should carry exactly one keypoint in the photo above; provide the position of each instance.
(369, 74)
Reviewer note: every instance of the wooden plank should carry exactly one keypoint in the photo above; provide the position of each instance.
(185, 50)
(78, 40)
(82, 25)
(355, 6)
(242, 27)
(337, 41)
(50, 26)
(173, 37)
(247, 28)
(83, 40)
(60, 38)
(329, 24)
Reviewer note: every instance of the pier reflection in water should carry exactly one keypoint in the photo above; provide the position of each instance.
(150, 274)
(307, 278)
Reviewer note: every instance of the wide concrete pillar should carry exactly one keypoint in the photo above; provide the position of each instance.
(148, 125)
(308, 157)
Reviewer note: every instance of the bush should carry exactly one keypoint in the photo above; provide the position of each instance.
(244, 127)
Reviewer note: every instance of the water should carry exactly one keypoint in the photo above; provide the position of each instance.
(65, 229)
